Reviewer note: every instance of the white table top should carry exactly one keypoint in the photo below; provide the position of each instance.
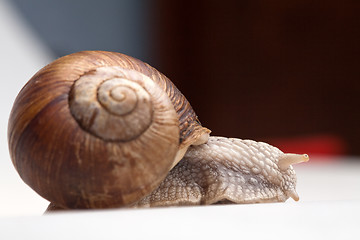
(329, 208)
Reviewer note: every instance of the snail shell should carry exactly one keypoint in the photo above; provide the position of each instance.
(99, 129)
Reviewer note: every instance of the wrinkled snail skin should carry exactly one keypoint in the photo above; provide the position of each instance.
(79, 137)
(228, 170)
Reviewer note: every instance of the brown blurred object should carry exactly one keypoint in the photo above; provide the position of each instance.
(264, 70)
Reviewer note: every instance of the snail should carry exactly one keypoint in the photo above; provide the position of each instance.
(98, 129)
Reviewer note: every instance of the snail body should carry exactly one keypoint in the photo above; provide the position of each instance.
(99, 129)
(228, 170)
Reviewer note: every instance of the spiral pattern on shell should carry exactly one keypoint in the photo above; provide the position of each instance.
(96, 130)
(102, 101)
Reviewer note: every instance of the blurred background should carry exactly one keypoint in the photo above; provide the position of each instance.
(284, 72)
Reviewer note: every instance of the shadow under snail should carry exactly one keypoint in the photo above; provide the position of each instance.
(98, 129)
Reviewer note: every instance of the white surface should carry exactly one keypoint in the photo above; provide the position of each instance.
(338, 180)
(329, 208)
(305, 220)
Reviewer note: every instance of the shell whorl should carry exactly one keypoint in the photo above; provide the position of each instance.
(104, 100)
(101, 154)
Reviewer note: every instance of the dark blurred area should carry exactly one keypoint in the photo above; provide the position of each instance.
(284, 72)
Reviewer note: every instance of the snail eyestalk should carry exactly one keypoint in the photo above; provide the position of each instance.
(289, 159)
(293, 194)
